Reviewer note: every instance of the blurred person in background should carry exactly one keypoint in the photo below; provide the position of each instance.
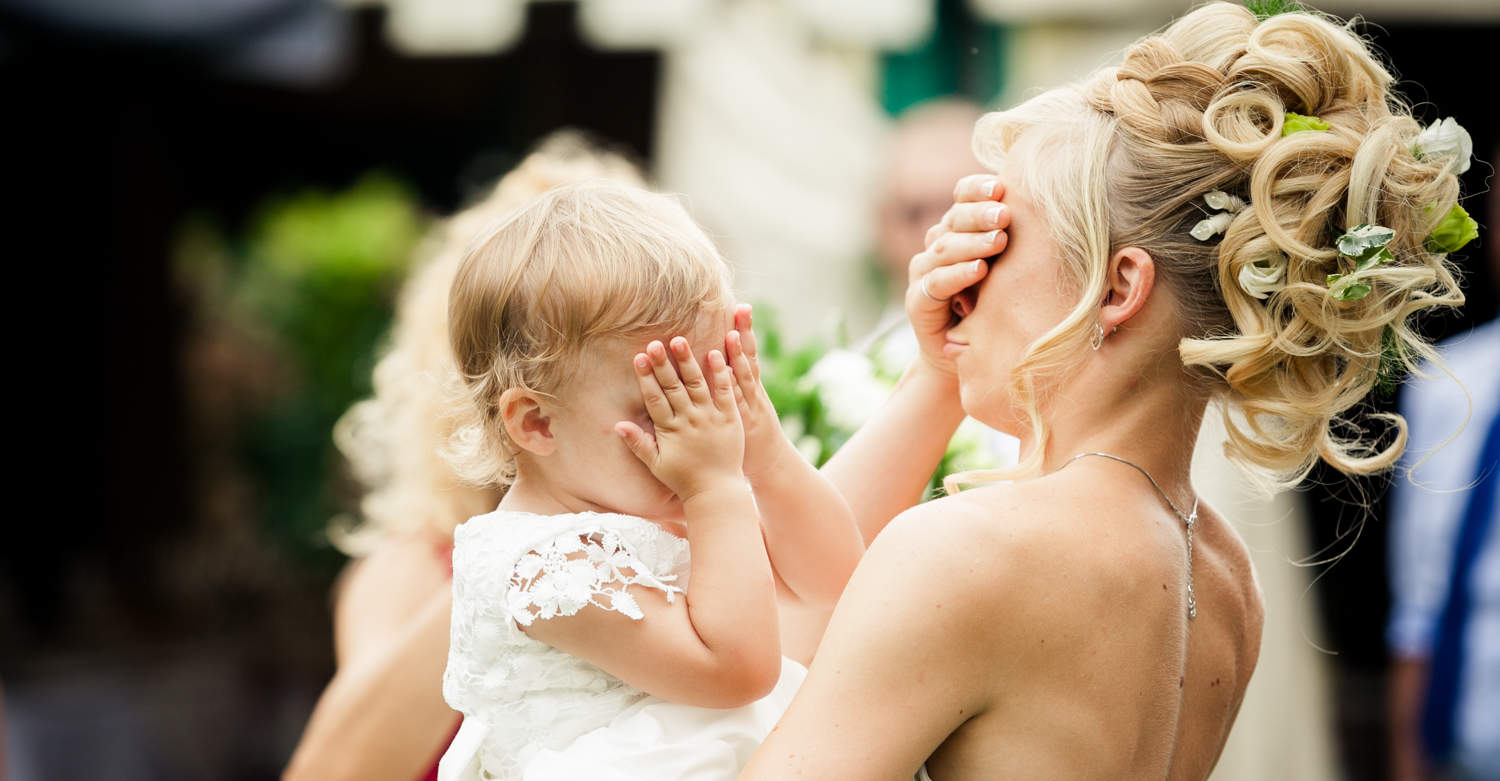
(1444, 630)
(929, 149)
(383, 715)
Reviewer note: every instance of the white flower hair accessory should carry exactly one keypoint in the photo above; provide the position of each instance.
(1445, 138)
(1263, 276)
(1227, 206)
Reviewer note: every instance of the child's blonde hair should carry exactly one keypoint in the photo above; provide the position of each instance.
(576, 266)
(393, 440)
(1125, 157)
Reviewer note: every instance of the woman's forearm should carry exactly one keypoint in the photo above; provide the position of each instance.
(883, 469)
(383, 715)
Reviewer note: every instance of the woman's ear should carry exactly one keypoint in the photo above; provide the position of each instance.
(527, 422)
(1132, 275)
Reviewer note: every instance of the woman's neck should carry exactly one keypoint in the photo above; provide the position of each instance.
(1152, 421)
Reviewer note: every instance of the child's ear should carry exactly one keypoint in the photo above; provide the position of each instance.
(527, 422)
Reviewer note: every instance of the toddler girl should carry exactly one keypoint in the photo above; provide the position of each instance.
(588, 328)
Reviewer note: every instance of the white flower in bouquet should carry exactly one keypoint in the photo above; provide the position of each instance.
(895, 351)
(848, 387)
(1445, 138)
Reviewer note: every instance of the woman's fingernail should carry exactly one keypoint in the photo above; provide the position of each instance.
(992, 237)
(994, 184)
(992, 215)
(978, 264)
(642, 362)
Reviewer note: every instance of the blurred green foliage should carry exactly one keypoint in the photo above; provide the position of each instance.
(312, 279)
(782, 369)
(803, 395)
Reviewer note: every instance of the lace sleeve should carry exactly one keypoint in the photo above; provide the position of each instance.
(573, 570)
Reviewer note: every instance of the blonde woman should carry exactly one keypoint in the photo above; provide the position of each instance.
(1170, 234)
(383, 716)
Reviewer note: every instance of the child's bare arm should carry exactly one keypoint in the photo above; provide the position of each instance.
(719, 646)
(810, 532)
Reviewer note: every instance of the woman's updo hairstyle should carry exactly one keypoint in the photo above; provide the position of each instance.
(1125, 158)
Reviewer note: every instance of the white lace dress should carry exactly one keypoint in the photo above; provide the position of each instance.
(534, 713)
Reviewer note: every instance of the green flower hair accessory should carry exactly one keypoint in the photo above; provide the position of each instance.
(1265, 9)
(1366, 246)
(1298, 123)
(1455, 230)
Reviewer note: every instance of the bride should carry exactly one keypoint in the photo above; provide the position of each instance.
(1242, 210)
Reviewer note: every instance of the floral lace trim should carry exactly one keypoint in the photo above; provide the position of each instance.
(572, 571)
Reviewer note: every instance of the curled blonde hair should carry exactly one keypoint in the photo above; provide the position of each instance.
(577, 265)
(1124, 158)
(392, 441)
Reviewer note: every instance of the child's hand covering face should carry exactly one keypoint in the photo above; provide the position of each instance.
(699, 442)
(764, 439)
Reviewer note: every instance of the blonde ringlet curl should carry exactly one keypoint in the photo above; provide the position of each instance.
(393, 440)
(580, 265)
(1124, 157)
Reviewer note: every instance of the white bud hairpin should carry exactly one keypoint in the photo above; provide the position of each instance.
(1226, 206)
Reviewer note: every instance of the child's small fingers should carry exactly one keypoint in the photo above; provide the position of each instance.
(744, 371)
(692, 375)
(639, 442)
(723, 380)
(666, 377)
(739, 400)
(657, 405)
(747, 334)
(734, 346)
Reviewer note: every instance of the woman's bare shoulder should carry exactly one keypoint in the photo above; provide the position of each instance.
(1017, 549)
(999, 554)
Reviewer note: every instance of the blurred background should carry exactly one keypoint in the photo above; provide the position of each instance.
(214, 203)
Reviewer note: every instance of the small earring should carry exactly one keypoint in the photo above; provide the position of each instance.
(1096, 340)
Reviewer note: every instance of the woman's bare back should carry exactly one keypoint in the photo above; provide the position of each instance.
(1121, 684)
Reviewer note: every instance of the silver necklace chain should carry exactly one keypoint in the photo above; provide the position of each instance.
(1190, 520)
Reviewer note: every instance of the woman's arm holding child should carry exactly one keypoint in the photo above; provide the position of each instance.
(720, 646)
(810, 533)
